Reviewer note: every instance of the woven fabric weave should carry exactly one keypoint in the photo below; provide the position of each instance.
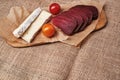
(97, 59)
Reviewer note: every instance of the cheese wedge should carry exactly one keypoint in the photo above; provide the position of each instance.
(25, 25)
(36, 26)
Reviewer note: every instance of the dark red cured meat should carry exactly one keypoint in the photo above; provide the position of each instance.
(75, 19)
(66, 24)
(78, 18)
(89, 14)
(62, 25)
(94, 10)
(84, 16)
(66, 14)
(86, 11)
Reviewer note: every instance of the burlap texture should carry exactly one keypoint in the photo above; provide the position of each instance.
(97, 59)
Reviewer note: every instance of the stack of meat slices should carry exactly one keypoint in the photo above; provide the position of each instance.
(76, 19)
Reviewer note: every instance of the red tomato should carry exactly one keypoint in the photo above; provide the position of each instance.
(48, 30)
(54, 8)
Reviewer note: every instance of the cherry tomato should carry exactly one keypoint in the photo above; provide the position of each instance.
(48, 30)
(54, 8)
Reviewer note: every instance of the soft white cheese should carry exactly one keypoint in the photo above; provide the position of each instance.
(36, 26)
(25, 25)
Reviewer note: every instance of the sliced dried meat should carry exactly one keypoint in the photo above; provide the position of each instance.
(86, 11)
(90, 7)
(75, 19)
(94, 10)
(66, 24)
(84, 16)
(79, 19)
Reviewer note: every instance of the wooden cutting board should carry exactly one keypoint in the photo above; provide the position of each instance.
(17, 16)
(102, 22)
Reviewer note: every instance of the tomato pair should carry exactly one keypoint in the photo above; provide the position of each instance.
(48, 29)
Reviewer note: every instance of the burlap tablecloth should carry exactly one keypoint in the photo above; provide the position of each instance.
(97, 59)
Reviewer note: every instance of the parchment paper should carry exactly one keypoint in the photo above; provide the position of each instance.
(18, 14)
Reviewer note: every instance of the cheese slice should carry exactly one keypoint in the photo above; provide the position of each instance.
(25, 25)
(36, 26)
